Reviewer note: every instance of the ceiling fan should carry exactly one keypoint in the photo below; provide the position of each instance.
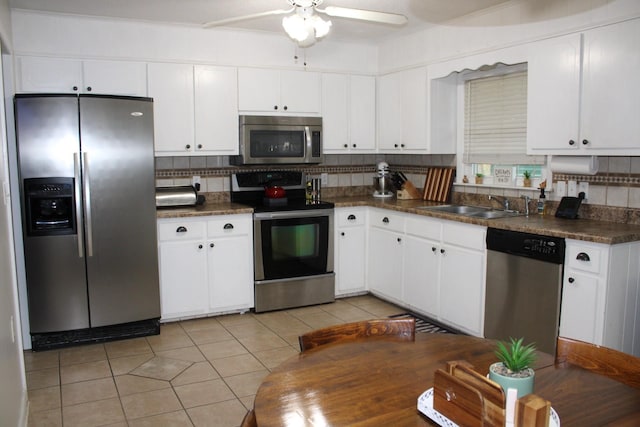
(305, 27)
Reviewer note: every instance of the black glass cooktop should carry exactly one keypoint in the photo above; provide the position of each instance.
(248, 188)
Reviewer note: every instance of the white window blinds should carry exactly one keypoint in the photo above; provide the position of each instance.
(495, 129)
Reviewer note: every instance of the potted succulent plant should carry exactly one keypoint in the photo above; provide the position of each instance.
(514, 368)
(479, 178)
(527, 178)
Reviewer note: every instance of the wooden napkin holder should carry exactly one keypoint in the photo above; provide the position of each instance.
(471, 399)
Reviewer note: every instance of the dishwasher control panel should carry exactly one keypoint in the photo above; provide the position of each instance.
(543, 248)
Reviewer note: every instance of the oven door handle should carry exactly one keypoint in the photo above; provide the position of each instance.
(293, 214)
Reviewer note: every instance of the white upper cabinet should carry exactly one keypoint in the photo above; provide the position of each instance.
(348, 113)
(171, 87)
(402, 112)
(279, 91)
(195, 109)
(54, 75)
(589, 103)
(216, 110)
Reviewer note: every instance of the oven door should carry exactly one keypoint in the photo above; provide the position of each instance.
(293, 243)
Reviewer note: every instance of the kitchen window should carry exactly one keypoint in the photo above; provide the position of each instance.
(495, 126)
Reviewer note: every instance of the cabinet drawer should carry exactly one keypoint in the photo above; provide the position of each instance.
(584, 257)
(350, 217)
(181, 230)
(229, 225)
(465, 235)
(424, 227)
(385, 219)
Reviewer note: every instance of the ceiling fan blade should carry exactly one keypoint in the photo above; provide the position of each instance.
(365, 15)
(222, 22)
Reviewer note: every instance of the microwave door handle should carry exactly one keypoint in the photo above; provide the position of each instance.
(309, 142)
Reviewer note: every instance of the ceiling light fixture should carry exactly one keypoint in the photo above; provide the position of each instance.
(304, 26)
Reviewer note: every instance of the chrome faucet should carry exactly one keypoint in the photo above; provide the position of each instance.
(505, 202)
(527, 199)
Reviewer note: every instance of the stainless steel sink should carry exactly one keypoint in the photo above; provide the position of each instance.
(472, 211)
(457, 209)
(495, 214)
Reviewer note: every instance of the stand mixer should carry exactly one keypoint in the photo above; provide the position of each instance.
(382, 182)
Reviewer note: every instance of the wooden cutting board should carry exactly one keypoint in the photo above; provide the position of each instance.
(437, 186)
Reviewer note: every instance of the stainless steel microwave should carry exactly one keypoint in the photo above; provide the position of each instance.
(279, 140)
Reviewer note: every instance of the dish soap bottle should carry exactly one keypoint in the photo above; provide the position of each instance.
(541, 202)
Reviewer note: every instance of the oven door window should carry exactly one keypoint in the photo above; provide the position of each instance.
(277, 143)
(294, 247)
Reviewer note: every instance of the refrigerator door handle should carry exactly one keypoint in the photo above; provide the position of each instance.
(87, 202)
(78, 197)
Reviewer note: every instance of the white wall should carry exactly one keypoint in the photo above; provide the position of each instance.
(506, 25)
(83, 37)
(13, 390)
(5, 26)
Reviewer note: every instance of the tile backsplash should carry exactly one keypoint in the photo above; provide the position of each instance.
(614, 192)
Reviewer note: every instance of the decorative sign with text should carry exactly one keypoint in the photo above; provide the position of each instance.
(502, 175)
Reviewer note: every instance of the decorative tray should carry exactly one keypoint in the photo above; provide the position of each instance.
(425, 405)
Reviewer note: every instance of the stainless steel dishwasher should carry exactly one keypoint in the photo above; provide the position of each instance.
(524, 287)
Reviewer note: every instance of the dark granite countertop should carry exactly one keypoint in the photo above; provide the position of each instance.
(548, 225)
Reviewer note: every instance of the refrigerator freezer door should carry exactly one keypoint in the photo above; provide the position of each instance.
(118, 172)
(47, 131)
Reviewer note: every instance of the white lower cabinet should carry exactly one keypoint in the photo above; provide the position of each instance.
(350, 250)
(386, 233)
(422, 265)
(206, 265)
(444, 273)
(463, 276)
(601, 294)
(434, 267)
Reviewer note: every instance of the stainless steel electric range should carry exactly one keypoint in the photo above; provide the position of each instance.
(293, 240)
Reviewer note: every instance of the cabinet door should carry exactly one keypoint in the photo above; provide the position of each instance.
(413, 98)
(171, 87)
(335, 113)
(385, 263)
(421, 274)
(300, 92)
(611, 90)
(48, 75)
(362, 113)
(216, 110)
(259, 90)
(389, 112)
(230, 261)
(115, 78)
(350, 265)
(553, 79)
(183, 279)
(462, 288)
(578, 317)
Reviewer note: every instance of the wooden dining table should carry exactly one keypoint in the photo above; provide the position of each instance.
(377, 382)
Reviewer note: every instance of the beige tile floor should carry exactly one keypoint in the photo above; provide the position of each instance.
(199, 372)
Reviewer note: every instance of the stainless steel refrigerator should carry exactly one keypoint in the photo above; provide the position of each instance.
(86, 168)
